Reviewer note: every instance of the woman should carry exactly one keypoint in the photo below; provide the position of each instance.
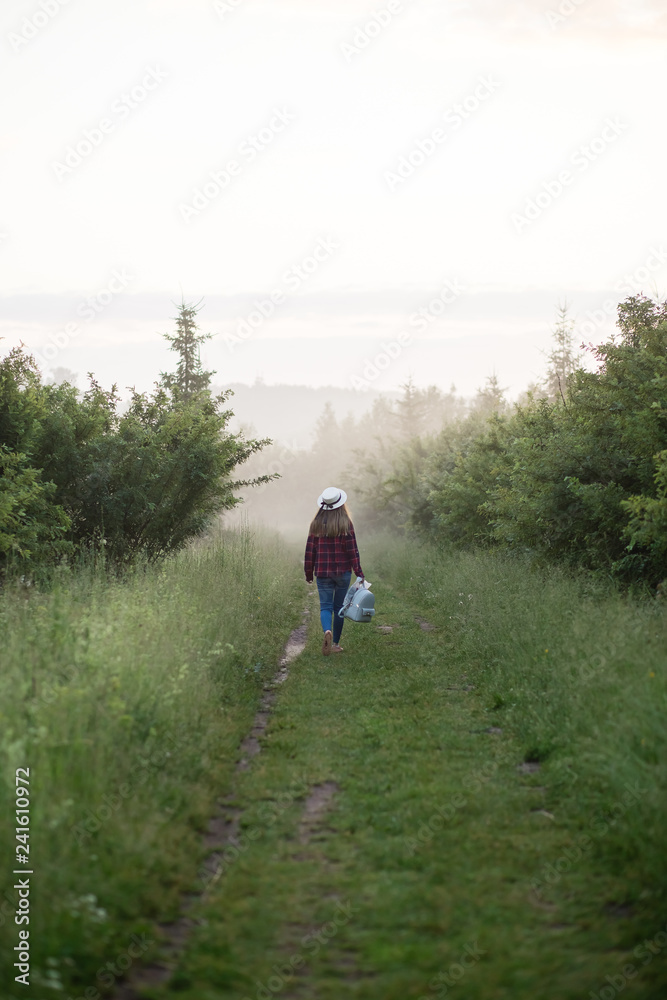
(331, 554)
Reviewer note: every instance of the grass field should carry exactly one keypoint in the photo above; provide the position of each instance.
(127, 701)
(470, 801)
(497, 808)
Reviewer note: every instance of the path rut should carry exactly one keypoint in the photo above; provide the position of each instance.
(222, 833)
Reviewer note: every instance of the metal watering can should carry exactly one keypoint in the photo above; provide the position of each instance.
(359, 603)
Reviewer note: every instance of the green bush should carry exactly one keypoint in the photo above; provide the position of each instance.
(147, 480)
(560, 477)
(31, 525)
(647, 528)
(80, 473)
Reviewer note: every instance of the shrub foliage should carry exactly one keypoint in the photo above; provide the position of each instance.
(79, 471)
(577, 476)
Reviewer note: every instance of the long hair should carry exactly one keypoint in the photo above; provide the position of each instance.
(329, 523)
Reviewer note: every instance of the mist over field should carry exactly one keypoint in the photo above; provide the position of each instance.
(350, 442)
(413, 250)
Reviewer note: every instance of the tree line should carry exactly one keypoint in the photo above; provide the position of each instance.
(575, 472)
(78, 473)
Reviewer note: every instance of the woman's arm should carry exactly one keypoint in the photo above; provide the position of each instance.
(310, 557)
(353, 553)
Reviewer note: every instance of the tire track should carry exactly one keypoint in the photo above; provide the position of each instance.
(222, 833)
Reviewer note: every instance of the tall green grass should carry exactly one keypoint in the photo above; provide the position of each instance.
(573, 669)
(436, 837)
(127, 699)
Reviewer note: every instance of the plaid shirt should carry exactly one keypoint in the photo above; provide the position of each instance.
(331, 556)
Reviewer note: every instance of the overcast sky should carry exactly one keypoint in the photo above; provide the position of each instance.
(408, 182)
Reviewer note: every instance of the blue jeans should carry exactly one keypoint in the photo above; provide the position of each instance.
(332, 591)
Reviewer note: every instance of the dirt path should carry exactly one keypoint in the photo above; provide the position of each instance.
(389, 840)
(222, 839)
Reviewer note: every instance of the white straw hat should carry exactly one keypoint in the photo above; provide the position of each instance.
(331, 498)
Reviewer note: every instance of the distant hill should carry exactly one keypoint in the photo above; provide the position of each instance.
(288, 413)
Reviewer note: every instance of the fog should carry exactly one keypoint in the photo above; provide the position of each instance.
(357, 451)
(356, 195)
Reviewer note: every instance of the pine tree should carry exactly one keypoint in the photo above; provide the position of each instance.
(326, 436)
(189, 378)
(490, 398)
(563, 359)
(411, 410)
